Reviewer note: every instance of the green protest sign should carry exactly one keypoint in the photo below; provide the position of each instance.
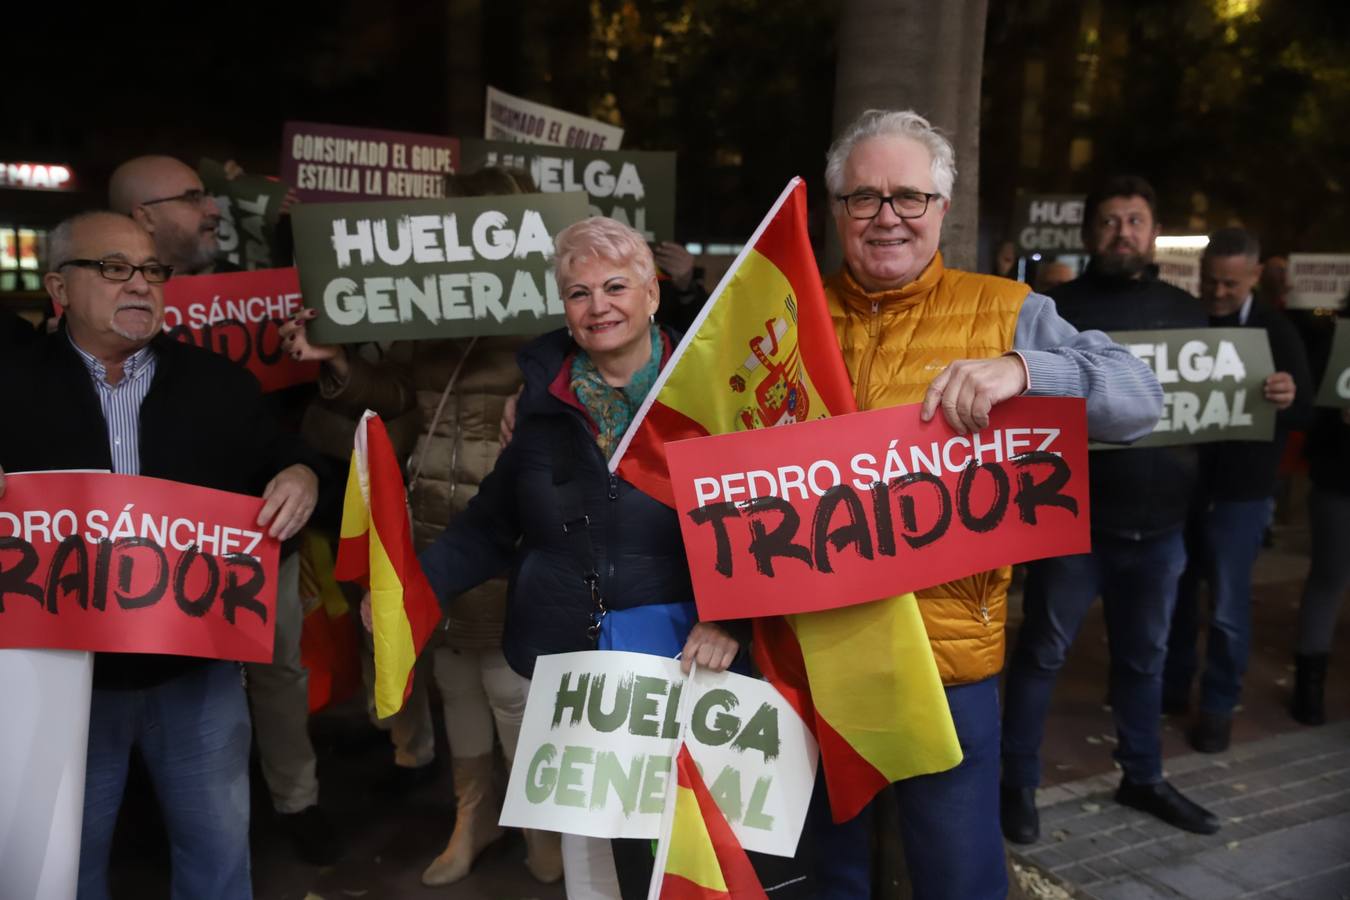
(410, 269)
(635, 187)
(601, 730)
(1335, 390)
(1212, 384)
(250, 207)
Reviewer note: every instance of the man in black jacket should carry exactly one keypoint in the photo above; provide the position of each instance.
(1138, 499)
(110, 391)
(1232, 504)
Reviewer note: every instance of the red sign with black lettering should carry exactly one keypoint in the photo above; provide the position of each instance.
(237, 315)
(125, 564)
(833, 512)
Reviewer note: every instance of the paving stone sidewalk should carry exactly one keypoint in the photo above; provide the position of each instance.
(1285, 806)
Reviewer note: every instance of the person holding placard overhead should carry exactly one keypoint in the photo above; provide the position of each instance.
(456, 388)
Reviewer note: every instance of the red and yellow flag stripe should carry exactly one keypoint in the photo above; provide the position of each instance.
(376, 549)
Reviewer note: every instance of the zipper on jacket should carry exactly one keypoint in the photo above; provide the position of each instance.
(865, 370)
(984, 610)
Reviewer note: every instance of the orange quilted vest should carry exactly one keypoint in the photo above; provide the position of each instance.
(894, 344)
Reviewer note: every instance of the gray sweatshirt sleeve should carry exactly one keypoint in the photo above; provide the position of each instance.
(1124, 399)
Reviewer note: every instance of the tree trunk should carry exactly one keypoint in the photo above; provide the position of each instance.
(924, 55)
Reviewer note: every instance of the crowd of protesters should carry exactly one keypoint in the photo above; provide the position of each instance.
(507, 440)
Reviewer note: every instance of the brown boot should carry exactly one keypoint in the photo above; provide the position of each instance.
(476, 813)
(543, 855)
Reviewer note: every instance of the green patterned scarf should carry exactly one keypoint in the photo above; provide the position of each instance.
(611, 408)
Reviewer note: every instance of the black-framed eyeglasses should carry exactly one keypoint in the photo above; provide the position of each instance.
(194, 197)
(867, 204)
(116, 270)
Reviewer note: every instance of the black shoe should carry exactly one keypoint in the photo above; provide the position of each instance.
(1211, 732)
(402, 779)
(1176, 704)
(1166, 803)
(312, 835)
(1310, 679)
(1017, 812)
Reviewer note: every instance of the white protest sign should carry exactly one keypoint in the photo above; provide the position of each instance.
(598, 741)
(1180, 267)
(511, 118)
(1318, 279)
(43, 746)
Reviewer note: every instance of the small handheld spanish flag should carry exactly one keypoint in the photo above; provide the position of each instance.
(376, 550)
(704, 861)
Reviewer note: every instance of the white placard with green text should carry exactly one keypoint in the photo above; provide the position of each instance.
(596, 749)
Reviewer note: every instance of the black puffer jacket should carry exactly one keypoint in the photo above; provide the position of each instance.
(1135, 493)
(636, 540)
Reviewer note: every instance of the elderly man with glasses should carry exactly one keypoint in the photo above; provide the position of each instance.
(110, 391)
(913, 330)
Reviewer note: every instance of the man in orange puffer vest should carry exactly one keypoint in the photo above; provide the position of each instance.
(913, 330)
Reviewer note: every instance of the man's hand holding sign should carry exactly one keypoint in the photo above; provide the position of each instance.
(137, 535)
(846, 510)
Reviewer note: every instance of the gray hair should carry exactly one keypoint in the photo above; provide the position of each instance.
(61, 239)
(603, 238)
(904, 123)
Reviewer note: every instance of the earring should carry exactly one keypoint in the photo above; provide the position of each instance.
(569, 332)
(651, 318)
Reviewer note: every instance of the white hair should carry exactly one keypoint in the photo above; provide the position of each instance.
(905, 123)
(602, 238)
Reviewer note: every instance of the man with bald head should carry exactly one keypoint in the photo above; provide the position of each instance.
(110, 391)
(167, 199)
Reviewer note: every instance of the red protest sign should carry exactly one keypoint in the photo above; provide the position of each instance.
(237, 315)
(839, 511)
(125, 564)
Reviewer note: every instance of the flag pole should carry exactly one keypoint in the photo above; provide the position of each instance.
(672, 788)
(703, 313)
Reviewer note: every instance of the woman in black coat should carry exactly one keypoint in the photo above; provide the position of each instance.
(580, 543)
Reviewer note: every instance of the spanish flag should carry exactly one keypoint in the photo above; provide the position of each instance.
(761, 353)
(704, 861)
(376, 549)
(327, 635)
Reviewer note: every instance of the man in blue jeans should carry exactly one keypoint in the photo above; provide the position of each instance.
(1139, 499)
(1232, 507)
(910, 330)
(110, 391)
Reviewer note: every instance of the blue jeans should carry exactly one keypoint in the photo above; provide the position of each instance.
(841, 855)
(1223, 542)
(1137, 581)
(949, 821)
(193, 732)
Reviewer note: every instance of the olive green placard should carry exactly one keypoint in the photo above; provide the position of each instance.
(636, 187)
(408, 269)
(250, 207)
(1335, 390)
(1212, 384)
